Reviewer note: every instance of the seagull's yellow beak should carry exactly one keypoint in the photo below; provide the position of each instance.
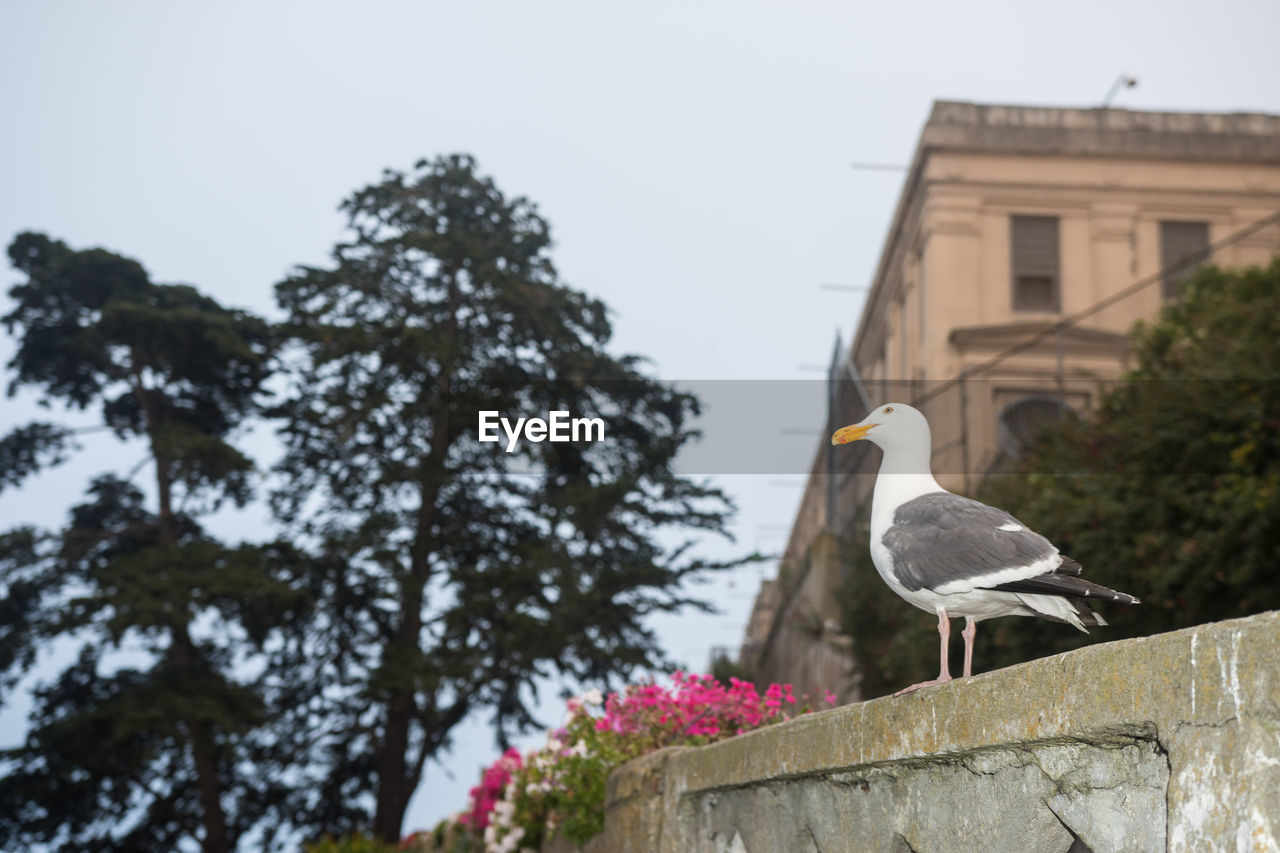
(855, 432)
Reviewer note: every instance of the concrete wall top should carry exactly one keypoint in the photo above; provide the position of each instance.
(1195, 714)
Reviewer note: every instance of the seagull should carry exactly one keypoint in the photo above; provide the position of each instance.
(955, 556)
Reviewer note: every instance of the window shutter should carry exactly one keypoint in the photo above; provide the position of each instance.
(1179, 241)
(1034, 262)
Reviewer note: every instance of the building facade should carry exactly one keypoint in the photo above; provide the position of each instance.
(1025, 244)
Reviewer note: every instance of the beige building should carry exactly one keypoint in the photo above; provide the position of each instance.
(1025, 244)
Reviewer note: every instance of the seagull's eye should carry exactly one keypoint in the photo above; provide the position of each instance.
(888, 409)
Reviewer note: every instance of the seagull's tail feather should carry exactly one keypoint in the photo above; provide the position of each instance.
(1070, 586)
(1059, 595)
(1068, 566)
(1058, 609)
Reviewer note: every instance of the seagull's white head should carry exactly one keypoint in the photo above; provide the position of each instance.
(892, 427)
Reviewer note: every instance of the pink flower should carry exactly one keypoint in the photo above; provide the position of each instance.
(487, 794)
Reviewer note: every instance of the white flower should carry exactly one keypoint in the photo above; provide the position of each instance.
(548, 758)
(593, 696)
(579, 749)
(509, 843)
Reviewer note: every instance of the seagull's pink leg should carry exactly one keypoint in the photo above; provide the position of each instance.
(970, 631)
(944, 671)
(944, 634)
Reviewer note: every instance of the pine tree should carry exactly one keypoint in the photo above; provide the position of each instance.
(461, 574)
(142, 751)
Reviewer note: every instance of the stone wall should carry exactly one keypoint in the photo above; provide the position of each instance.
(1169, 742)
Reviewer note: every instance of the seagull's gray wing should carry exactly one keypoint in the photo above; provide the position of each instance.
(948, 543)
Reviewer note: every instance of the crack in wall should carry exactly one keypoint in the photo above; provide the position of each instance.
(1072, 770)
(902, 844)
(1077, 844)
(1109, 737)
(813, 839)
(1162, 751)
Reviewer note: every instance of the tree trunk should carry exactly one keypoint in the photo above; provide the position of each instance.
(394, 786)
(204, 752)
(217, 838)
(395, 781)
(203, 749)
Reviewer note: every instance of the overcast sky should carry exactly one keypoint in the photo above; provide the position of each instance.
(693, 160)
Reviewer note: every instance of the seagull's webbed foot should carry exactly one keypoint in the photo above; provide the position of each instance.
(944, 671)
(942, 679)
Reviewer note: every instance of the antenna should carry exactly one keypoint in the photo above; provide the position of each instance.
(878, 167)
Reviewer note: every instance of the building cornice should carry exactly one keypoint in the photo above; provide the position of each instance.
(1216, 137)
(1075, 340)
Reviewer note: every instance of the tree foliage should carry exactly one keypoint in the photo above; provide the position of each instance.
(143, 750)
(1169, 489)
(460, 574)
(29, 448)
(230, 695)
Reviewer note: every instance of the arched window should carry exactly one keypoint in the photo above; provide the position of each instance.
(1020, 421)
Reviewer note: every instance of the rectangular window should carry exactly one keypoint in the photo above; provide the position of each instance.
(1179, 241)
(1034, 262)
